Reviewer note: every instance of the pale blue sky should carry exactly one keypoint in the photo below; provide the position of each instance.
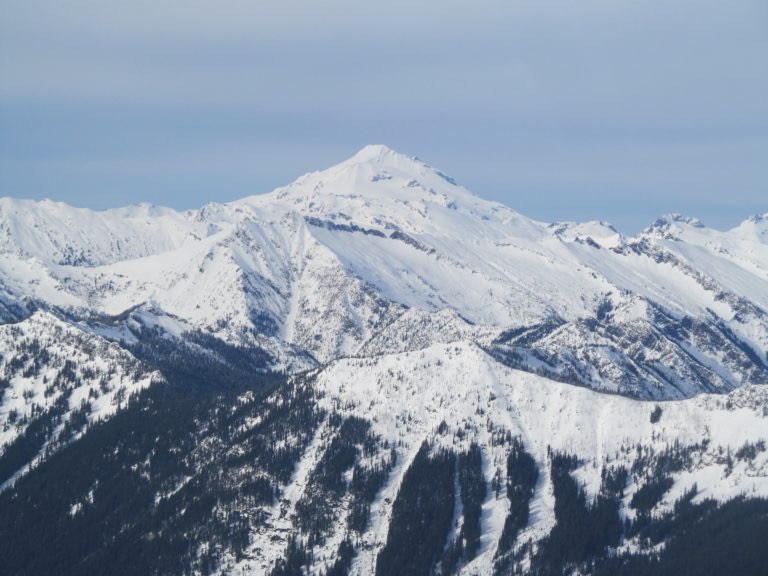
(563, 110)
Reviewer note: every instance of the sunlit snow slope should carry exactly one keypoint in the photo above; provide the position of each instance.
(454, 396)
(384, 253)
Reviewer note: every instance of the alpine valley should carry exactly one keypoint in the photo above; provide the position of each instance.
(374, 371)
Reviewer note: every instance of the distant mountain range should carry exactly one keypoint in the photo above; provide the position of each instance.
(372, 370)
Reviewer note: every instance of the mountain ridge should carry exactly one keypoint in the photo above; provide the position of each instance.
(301, 382)
(371, 153)
(354, 246)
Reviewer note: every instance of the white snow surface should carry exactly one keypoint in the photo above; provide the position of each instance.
(406, 397)
(336, 256)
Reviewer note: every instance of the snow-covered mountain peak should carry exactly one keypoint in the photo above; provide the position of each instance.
(757, 219)
(374, 174)
(383, 157)
(594, 233)
(375, 153)
(381, 191)
(671, 225)
(753, 228)
(60, 234)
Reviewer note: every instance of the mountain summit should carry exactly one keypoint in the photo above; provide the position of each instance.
(376, 183)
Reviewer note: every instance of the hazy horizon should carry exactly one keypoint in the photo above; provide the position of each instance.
(562, 111)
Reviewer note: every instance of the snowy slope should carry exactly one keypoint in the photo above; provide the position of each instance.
(331, 263)
(60, 234)
(54, 381)
(455, 394)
